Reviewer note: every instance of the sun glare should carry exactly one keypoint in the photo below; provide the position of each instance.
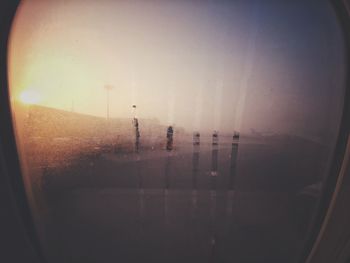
(30, 97)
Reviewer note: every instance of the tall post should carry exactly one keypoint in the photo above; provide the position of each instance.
(214, 156)
(138, 165)
(232, 176)
(213, 177)
(169, 147)
(195, 159)
(195, 169)
(214, 174)
(234, 152)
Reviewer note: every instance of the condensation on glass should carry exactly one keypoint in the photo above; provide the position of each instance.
(175, 131)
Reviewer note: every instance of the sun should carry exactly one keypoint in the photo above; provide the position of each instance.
(30, 97)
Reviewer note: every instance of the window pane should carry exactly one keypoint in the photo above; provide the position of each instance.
(175, 131)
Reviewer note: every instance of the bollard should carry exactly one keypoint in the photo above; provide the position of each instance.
(234, 153)
(137, 134)
(214, 156)
(195, 169)
(169, 136)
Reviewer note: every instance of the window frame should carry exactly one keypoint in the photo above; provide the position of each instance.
(339, 170)
(12, 180)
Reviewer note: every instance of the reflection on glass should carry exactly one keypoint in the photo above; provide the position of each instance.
(175, 131)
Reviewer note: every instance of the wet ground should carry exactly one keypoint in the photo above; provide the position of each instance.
(188, 205)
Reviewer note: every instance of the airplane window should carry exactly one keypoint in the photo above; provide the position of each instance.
(175, 131)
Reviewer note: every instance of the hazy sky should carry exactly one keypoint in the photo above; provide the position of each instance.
(268, 65)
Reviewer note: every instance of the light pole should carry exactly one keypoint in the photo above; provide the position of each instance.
(108, 88)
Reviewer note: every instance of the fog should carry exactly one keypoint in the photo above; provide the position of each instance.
(263, 66)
